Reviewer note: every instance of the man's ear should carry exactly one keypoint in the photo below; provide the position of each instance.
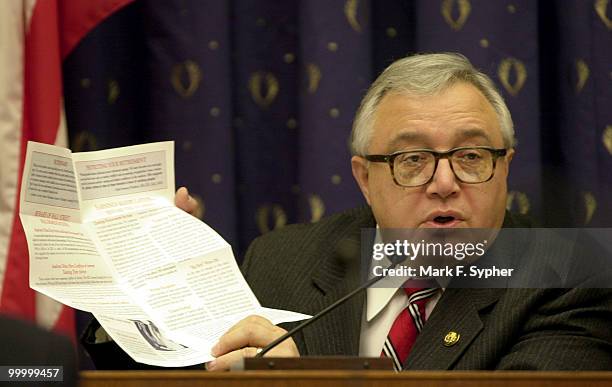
(359, 165)
(510, 155)
(506, 166)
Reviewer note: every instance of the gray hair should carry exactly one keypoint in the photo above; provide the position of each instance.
(426, 74)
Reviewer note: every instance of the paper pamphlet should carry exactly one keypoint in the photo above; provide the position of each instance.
(105, 237)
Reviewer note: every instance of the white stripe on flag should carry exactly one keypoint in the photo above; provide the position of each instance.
(14, 17)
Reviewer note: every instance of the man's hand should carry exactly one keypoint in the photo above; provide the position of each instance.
(185, 202)
(243, 340)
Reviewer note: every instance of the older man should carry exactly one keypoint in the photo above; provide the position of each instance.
(432, 144)
(421, 127)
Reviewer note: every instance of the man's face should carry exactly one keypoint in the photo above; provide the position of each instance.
(457, 117)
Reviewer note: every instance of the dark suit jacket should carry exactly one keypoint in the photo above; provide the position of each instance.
(297, 268)
(300, 268)
(24, 344)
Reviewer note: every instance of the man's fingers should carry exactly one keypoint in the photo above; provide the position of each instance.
(252, 319)
(185, 202)
(223, 363)
(248, 335)
(181, 198)
(243, 339)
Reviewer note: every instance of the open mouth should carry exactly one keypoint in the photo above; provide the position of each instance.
(443, 219)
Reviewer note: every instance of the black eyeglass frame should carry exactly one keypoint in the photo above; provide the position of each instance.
(390, 159)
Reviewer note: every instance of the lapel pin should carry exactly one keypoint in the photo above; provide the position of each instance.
(451, 339)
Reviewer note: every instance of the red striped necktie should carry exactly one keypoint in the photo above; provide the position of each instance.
(407, 325)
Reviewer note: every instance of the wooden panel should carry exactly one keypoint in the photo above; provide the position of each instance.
(342, 378)
(319, 363)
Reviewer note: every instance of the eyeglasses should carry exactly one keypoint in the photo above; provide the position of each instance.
(413, 168)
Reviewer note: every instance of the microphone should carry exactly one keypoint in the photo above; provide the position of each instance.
(345, 252)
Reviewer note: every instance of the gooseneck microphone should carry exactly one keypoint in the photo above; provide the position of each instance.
(342, 251)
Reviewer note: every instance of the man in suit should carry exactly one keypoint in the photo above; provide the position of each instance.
(418, 129)
(432, 144)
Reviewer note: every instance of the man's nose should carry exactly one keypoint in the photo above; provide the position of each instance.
(444, 183)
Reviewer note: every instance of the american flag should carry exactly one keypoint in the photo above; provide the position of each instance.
(35, 37)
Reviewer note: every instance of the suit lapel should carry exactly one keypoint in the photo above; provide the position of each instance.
(338, 332)
(339, 273)
(464, 305)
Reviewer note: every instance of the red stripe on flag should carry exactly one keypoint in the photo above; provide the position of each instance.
(43, 77)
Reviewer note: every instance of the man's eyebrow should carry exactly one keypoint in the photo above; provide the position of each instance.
(406, 136)
(471, 133)
(420, 138)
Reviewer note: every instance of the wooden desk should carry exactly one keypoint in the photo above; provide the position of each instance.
(342, 378)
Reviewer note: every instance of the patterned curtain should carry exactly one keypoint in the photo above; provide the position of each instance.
(259, 97)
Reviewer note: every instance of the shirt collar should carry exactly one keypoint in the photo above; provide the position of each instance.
(378, 297)
(376, 300)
